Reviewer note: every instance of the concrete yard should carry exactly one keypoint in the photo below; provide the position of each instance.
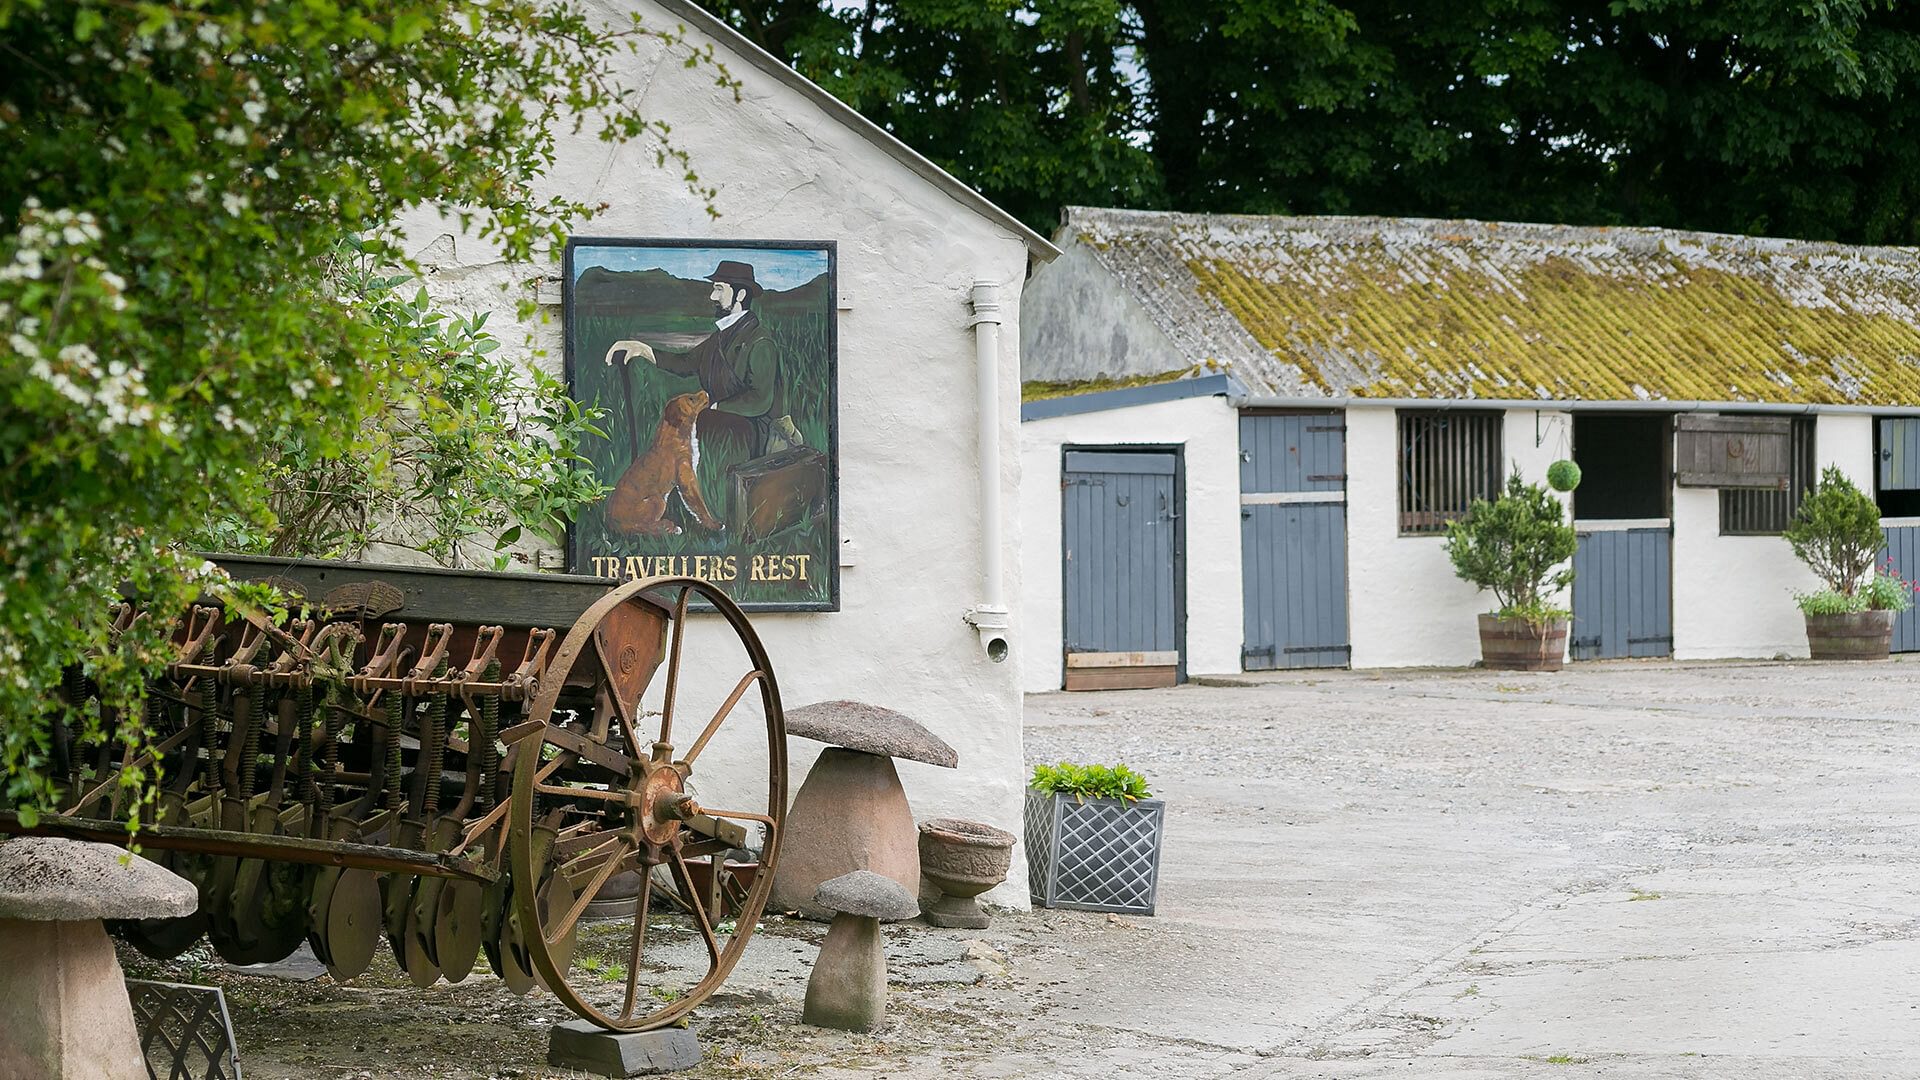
(1622, 870)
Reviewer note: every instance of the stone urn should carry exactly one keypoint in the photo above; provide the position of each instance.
(962, 859)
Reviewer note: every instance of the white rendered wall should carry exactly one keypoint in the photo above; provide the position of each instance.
(1208, 431)
(1406, 606)
(909, 492)
(1733, 595)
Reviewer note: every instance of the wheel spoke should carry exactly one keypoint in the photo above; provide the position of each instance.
(673, 663)
(638, 943)
(586, 896)
(725, 710)
(685, 878)
(567, 867)
(583, 792)
(740, 815)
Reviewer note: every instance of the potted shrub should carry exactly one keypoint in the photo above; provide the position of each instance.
(1093, 838)
(1513, 548)
(1836, 532)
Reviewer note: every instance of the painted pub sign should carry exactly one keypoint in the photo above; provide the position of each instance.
(715, 362)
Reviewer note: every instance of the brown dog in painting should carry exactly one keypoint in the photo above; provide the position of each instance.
(638, 505)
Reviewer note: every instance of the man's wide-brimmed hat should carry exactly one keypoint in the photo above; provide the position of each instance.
(737, 274)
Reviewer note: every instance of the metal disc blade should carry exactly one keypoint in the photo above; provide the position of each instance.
(320, 897)
(164, 939)
(420, 967)
(457, 931)
(353, 924)
(556, 898)
(423, 916)
(516, 969)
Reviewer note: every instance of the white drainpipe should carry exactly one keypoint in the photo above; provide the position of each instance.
(989, 617)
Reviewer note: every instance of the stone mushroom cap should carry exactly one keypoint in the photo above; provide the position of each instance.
(867, 894)
(871, 729)
(50, 879)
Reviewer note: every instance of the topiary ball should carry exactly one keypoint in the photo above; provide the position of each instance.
(1563, 476)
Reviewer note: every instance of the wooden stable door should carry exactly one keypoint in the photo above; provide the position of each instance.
(1121, 535)
(1293, 540)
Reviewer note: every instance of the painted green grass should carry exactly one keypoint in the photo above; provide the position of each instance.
(802, 338)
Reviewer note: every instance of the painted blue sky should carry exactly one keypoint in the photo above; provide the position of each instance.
(773, 268)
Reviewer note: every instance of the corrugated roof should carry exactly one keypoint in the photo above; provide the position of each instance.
(1413, 308)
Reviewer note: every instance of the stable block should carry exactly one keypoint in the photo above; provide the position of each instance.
(584, 1045)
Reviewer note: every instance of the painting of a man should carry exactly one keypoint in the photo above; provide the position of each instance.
(715, 364)
(738, 365)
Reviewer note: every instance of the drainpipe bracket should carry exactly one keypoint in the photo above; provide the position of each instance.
(987, 617)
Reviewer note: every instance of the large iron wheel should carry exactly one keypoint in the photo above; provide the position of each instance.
(607, 786)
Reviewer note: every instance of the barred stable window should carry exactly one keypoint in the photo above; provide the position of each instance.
(1760, 512)
(1447, 460)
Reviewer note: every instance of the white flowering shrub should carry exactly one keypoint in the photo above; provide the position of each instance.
(178, 351)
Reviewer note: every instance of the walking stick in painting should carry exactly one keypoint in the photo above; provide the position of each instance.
(622, 353)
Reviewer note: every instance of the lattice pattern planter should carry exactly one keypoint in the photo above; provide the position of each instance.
(1097, 855)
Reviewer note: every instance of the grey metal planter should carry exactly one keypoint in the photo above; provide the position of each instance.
(1097, 855)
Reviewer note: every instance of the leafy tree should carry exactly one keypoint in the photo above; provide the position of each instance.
(175, 180)
(1836, 532)
(1033, 104)
(1510, 547)
(1743, 116)
(463, 450)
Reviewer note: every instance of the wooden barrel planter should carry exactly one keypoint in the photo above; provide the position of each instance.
(1518, 645)
(1855, 635)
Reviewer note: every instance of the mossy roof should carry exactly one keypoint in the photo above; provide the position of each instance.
(1456, 310)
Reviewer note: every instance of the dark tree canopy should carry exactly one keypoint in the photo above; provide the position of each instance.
(1745, 116)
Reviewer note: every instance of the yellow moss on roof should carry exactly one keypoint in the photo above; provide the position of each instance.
(1558, 329)
(1040, 389)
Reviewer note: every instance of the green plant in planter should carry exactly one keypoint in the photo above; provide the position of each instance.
(1885, 590)
(1512, 548)
(1085, 782)
(1836, 532)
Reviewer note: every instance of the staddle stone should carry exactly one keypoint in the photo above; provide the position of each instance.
(850, 814)
(867, 894)
(876, 730)
(48, 879)
(584, 1045)
(848, 987)
(63, 999)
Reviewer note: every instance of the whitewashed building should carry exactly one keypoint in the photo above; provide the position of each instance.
(1259, 427)
(929, 277)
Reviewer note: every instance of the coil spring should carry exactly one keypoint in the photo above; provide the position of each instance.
(334, 720)
(250, 751)
(483, 738)
(74, 684)
(396, 723)
(209, 720)
(434, 738)
(303, 749)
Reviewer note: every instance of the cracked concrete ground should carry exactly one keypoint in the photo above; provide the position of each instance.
(1621, 871)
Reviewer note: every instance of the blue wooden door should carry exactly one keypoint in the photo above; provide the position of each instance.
(1622, 593)
(1121, 543)
(1903, 547)
(1293, 540)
